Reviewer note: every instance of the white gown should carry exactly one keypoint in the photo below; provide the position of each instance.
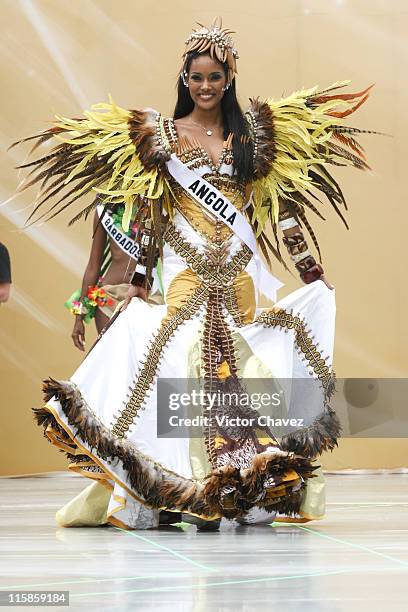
(210, 328)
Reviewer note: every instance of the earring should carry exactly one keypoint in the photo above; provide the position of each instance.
(226, 87)
(183, 76)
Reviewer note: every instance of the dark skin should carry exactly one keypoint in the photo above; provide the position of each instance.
(120, 271)
(206, 80)
(4, 292)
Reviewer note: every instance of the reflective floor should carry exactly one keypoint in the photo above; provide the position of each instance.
(356, 559)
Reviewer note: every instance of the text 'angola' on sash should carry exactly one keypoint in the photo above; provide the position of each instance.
(219, 205)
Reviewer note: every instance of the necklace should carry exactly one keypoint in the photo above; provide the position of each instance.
(208, 131)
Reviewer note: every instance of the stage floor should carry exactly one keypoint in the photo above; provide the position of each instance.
(355, 559)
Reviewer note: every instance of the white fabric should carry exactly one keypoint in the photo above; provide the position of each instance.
(124, 344)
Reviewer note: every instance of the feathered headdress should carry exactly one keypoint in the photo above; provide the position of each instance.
(216, 41)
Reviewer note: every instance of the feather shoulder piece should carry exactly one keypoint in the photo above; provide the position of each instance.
(296, 141)
(116, 155)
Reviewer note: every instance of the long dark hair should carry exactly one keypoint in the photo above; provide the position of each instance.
(232, 117)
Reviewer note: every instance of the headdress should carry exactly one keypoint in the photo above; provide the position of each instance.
(216, 41)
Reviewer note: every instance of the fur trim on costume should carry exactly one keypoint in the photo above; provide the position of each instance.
(318, 437)
(263, 136)
(161, 488)
(143, 134)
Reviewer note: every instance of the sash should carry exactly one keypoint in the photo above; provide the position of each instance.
(127, 244)
(210, 198)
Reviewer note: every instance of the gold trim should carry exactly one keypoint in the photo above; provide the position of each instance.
(231, 304)
(118, 523)
(208, 271)
(282, 318)
(149, 367)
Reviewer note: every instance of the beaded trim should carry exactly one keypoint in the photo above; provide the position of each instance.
(170, 131)
(212, 274)
(305, 343)
(250, 116)
(161, 135)
(218, 344)
(144, 380)
(198, 156)
(231, 304)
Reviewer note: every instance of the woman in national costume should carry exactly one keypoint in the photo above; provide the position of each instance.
(112, 262)
(214, 186)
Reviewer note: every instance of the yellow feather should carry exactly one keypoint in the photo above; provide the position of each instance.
(127, 215)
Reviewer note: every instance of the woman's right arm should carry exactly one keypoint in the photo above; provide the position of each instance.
(90, 277)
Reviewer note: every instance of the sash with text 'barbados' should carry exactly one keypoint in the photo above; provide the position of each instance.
(124, 242)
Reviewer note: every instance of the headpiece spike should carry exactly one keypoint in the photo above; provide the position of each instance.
(216, 41)
(217, 23)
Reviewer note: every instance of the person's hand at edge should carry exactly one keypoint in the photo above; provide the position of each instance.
(134, 291)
